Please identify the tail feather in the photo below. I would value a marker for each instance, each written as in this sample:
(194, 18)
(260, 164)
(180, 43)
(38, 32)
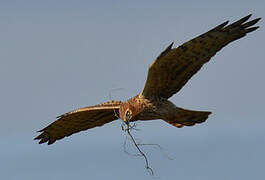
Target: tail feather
(186, 117)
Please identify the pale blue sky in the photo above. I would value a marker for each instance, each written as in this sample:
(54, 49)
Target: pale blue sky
(60, 55)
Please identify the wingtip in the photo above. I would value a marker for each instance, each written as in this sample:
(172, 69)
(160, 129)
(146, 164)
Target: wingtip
(38, 137)
(250, 23)
(166, 50)
(247, 17)
(43, 141)
(223, 24)
(256, 20)
(248, 30)
(220, 26)
(170, 46)
(57, 117)
(226, 22)
(50, 142)
(242, 20)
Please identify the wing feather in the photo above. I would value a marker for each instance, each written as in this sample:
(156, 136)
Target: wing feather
(79, 120)
(174, 67)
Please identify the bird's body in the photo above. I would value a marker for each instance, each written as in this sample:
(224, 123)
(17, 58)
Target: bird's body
(166, 76)
(142, 108)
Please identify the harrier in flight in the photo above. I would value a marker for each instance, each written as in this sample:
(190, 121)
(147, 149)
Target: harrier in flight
(170, 71)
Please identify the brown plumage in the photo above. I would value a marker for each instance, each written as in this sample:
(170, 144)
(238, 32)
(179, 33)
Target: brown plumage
(166, 76)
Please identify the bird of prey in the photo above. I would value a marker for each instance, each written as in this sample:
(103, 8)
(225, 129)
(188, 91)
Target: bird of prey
(169, 72)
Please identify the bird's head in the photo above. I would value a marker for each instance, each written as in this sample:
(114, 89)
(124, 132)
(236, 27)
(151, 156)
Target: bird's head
(127, 112)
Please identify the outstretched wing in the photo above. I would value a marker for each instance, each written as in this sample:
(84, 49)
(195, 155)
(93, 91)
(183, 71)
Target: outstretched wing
(80, 120)
(174, 67)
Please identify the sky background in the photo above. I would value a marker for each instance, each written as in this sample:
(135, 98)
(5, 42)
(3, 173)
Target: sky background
(56, 56)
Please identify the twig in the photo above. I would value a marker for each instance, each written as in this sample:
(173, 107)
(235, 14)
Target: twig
(159, 147)
(127, 129)
(125, 150)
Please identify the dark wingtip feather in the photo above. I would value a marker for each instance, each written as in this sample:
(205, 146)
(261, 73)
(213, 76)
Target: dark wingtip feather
(60, 116)
(39, 136)
(44, 140)
(166, 50)
(247, 17)
(170, 46)
(36, 138)
(244, 19)
(239, 22)
(51, 142)
(224, 24)
(251, 23)
(251, 29)
(221, 25)
(209, 113)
